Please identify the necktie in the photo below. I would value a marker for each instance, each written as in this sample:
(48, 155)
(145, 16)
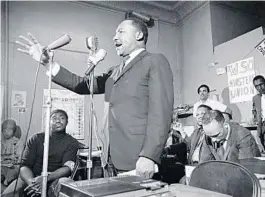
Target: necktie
(123, 62)
(121, 67)
(219, 148)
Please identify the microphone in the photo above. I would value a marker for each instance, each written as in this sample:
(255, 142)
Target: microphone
(94, 60)
(60, 42)
(95, 55)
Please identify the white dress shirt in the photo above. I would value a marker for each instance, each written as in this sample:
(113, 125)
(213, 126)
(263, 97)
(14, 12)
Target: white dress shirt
(263, 106)
(211, 103)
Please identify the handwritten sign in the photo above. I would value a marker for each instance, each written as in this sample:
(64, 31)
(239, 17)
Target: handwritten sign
(240, 75)
(261, 47)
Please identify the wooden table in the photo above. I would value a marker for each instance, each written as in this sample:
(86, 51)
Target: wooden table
(189, 191)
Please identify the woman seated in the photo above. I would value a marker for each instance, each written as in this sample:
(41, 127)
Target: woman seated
(11, 148)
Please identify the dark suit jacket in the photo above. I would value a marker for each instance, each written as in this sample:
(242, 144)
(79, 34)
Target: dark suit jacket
(256, 101)
(192, 143)
(141, 106)
(240, 145)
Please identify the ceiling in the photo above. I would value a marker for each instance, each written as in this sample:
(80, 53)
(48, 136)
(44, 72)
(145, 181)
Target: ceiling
(167, 5)
(250, 7)
(169, 11)
(176, 11)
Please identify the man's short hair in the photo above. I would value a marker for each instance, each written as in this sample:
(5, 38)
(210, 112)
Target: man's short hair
(258, 77)
(203, 86)
(139, 24)
(205, 106)
(59, 111)
(229, 115)
(213, 115)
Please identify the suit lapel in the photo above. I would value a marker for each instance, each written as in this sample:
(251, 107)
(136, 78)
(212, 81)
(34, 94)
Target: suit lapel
(196, 141)
(227, 150)
(133, 62)
(230, 143)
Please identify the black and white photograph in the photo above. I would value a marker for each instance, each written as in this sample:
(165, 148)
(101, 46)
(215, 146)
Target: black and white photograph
(132, 98)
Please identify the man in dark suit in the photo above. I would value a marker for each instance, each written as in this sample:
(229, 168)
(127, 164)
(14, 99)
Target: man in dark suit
(259, 106)
(138, 96)
(192, 143)
(225, 140)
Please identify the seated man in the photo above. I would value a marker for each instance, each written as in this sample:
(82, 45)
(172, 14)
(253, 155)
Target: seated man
(226, 140)
(204, 93)
(11, 148)
(194, 142)
(62, 155)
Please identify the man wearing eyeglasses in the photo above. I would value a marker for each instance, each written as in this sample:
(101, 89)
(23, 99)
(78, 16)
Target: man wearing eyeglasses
(226, 141)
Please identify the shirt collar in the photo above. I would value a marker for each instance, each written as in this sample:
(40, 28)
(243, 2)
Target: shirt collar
(200, 101)
(134, 54)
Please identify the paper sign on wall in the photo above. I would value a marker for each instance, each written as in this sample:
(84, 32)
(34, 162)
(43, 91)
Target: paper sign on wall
(240, 75)
(73, 104)
(19, 99)
(261, 47)
(220, 71)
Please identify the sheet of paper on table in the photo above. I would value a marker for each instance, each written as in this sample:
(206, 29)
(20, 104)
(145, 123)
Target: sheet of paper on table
(260, 158)
(260, 176)
(133, 172)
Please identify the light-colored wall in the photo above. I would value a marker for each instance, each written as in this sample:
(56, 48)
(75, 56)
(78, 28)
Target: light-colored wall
(198, 50)
(49, 20)
(234, 50)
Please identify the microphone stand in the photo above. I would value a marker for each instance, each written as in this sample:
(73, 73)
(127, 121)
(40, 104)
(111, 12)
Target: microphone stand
(48, 106)
(89, 162)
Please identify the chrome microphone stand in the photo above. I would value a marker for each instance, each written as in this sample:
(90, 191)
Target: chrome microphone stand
(89, 162)
(48, 106)
(95, 57)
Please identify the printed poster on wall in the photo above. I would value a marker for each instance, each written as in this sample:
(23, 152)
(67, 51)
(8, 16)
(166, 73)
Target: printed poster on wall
(261, 47)
(19, 99)
(73, 104)
(240, 75)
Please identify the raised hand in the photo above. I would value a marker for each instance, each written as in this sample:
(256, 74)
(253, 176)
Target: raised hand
(33, 48)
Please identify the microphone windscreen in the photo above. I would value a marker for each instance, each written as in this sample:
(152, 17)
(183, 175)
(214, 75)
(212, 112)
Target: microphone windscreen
(64, 40)
(101, 54)
(92, 43)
